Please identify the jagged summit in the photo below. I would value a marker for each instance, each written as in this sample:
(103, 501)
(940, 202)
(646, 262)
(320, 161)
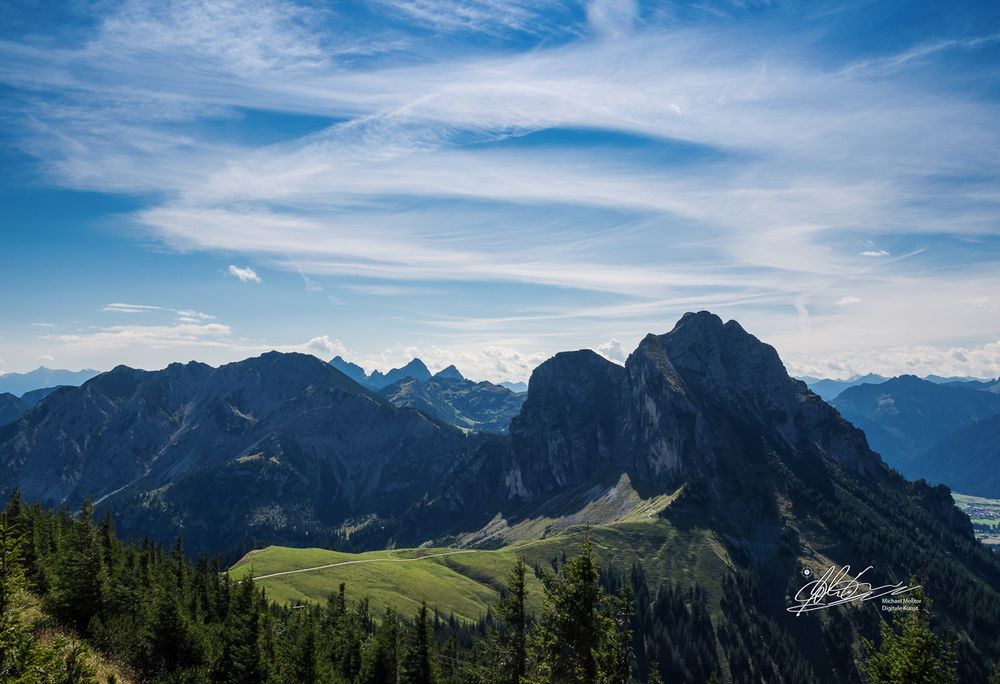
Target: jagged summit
(450, 373)
(351, 370)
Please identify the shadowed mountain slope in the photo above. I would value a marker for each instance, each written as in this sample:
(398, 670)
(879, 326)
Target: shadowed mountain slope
(906, 416)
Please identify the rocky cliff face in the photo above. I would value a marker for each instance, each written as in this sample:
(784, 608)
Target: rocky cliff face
(694, 402)
(567, 430)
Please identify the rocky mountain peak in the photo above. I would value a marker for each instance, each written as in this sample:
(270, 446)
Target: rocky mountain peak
(416, 369)
(351, 370)
(449, 373)
(704, 356)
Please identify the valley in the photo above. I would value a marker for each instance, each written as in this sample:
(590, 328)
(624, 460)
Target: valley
(985, 516)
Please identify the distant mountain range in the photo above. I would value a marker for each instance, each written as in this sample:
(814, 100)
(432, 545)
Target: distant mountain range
(830, 389)
(925, 429)
(377, 380)
(19, 383)
(967, 460)
(446, 395)
(743, 471)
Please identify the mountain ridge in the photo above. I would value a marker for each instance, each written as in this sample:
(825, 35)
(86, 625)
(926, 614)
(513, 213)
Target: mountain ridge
(702, 431)
(42, 377)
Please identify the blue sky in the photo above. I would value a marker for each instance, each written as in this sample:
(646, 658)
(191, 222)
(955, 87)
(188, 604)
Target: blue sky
(486, 183)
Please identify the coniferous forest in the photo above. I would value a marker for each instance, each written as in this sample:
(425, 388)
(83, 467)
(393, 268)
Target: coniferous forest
(79, 605)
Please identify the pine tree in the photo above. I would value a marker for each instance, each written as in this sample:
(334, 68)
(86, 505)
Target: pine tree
(911, 653)
(11, 572)
(77, 589)
(416, 667)
(615, 652)
(173, 642)
(240, 661)
(568, 636)
(380, 658)
(300, 653)
(507, 644)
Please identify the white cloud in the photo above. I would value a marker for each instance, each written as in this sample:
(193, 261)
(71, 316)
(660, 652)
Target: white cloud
(149, 336)
(44, 325)
(612, 18)
(847, 301)
(323, 347)
(131, 308)
(191, 316)
(494, 17)
(495, 363)
(790, 164)
(46, 358)
(245, 275)
(612, 350)
(981, 361)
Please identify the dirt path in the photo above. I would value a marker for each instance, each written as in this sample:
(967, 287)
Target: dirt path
(388, 559)
(368, 560)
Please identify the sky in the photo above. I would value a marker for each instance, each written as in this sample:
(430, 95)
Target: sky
(488, 182)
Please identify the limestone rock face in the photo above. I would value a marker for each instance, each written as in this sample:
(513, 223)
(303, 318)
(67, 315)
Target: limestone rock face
(567, 430)
(694, 402)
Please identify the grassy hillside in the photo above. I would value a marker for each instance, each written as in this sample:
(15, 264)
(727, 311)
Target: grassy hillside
(466, 581)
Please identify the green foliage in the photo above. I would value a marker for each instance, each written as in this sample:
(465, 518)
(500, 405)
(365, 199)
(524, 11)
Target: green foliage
(22, 659)
(910, 653)
(78, 573)
(416, 666)
(583, 635)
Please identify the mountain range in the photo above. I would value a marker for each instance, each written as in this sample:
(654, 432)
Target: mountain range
(701, 438)
(830, 389)
(915, 424)
(446, 395)
(19, 383)
(968, 460)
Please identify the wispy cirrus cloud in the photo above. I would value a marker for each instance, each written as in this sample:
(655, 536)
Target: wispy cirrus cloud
(119, 307)
(661, 165)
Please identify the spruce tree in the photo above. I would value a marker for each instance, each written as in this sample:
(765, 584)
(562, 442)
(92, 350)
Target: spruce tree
(567, 637)
(615, 651)
(416, 667)
(910, 652)
(508, 647)
(240, 660)
(77, 589)
(380, 658)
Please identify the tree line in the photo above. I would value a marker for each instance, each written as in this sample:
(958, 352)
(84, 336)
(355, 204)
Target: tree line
(159, 617)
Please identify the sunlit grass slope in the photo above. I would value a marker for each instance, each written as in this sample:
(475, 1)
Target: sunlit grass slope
(466, 581)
